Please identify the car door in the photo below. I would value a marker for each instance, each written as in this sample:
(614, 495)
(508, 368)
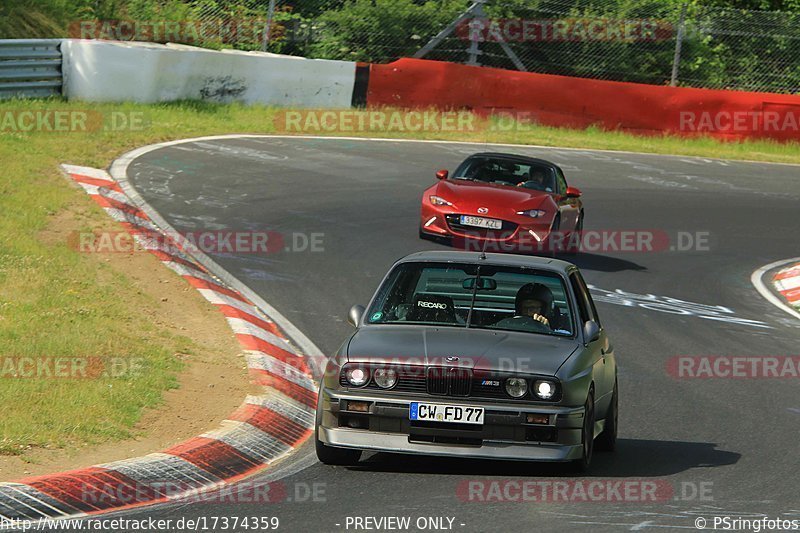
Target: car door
(601, 353)
(568, 207)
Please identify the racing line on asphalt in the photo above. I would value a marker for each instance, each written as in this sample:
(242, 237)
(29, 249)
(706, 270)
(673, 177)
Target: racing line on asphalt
(363, 198)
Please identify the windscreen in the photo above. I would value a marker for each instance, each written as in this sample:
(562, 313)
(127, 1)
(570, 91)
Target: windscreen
(475, 296)
(507, 172)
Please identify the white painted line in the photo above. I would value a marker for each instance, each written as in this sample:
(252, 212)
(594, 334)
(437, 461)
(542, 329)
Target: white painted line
(758, 283)
(119, 171)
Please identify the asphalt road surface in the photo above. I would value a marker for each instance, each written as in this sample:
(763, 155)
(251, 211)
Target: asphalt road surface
(714, 447)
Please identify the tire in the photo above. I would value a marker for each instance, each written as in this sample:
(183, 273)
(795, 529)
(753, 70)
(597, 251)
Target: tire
(574, 245)
(580, 466)
(327, 454)
(335, 456)
(607, 440)
(552, 251)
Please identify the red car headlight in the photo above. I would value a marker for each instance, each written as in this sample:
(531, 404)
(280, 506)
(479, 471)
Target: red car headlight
(438, 200)
(533, 213)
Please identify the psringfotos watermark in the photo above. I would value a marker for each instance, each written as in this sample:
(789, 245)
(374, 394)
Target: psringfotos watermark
(739, 121)
(593, 490)
(577, 29)
(734, 367)
(71, 121)
(740, 523)
(209, 242)
(74, 367)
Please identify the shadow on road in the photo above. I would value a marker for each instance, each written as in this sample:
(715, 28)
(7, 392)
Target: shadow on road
(633, 458)
(602, 263)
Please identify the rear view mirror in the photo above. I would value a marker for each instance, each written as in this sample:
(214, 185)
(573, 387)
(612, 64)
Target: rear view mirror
(355, 314)
(442, 174)
(573, 192)
(591, 331)
(486, 284)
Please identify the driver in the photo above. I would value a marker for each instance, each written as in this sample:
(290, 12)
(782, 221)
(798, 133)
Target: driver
(534, 305)
(534, 179)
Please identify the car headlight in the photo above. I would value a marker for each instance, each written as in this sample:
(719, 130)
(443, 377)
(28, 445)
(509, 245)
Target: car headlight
(356, 376)
(385, 378)
(438, 200)
(516, 387)
(544, 389)
(533, 213)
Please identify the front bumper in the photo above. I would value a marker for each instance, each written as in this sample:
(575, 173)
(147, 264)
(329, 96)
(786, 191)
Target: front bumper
(504, 434)
(527, 236)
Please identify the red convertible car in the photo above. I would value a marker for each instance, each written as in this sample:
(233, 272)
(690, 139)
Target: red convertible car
(503, 202)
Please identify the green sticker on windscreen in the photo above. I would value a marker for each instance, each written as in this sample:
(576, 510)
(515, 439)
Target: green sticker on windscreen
(376, 316)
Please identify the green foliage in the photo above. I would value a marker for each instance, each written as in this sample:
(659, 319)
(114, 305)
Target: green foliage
(724, 46)
(366, 30)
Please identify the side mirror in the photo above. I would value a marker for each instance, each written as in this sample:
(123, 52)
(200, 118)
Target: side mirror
(442, 174)
(573, 192)
(591, 331)
(355, 314)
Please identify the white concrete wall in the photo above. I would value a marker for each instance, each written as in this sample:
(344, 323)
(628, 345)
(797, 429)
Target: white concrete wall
(103, 71)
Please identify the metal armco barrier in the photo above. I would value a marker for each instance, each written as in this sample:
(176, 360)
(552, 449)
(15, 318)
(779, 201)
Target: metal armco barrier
(30, 68)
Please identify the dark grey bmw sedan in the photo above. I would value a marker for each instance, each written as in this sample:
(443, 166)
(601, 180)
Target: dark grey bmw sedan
(468, 354)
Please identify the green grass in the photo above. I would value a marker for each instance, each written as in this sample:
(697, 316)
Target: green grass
(57, 302)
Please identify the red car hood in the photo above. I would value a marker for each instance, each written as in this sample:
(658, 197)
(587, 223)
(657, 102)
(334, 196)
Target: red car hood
(468, 196)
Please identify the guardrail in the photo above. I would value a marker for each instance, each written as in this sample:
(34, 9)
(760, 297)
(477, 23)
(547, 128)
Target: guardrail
(30, 68)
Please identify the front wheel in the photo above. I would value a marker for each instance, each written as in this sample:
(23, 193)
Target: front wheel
(327, 454)
(574, 243)
(335, 456)
(607, 440)
(581, 465)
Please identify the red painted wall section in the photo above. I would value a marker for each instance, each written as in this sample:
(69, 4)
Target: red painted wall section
(578, 102)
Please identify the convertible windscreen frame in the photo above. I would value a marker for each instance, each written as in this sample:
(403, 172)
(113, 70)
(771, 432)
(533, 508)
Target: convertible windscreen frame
(401, 286)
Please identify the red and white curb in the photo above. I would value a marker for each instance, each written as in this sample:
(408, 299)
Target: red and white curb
(264, 429)
(787, 282)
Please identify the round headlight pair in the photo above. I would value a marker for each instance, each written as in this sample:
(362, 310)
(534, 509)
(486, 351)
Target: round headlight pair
(516, 387)
(542, 388)
(357, 376)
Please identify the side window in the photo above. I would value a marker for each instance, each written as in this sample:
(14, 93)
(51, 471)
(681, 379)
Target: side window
(562, 182)
(583, 305)
(588, 296)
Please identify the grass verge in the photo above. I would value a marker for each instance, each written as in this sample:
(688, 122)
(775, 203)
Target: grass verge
(55, 302)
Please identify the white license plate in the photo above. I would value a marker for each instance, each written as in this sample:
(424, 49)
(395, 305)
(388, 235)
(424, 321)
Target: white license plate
(437, 412)
(480, 222)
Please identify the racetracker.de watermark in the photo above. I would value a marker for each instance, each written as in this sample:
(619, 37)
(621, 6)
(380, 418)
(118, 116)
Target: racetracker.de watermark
(565, 30)
(733, 367)
(786, 121)
(53, 367)
(71, 121)
(162, 31)
(616, 490)
(312, 121)
(589, 241)
(245, 492)
(213, 242)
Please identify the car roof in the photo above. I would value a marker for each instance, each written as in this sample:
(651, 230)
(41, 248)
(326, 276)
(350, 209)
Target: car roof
(515, 157)
(514, 260)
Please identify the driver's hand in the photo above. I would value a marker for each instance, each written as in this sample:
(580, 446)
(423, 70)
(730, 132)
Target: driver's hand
(541, 318)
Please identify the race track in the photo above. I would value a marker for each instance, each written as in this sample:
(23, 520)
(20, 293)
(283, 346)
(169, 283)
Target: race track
(735, 438)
